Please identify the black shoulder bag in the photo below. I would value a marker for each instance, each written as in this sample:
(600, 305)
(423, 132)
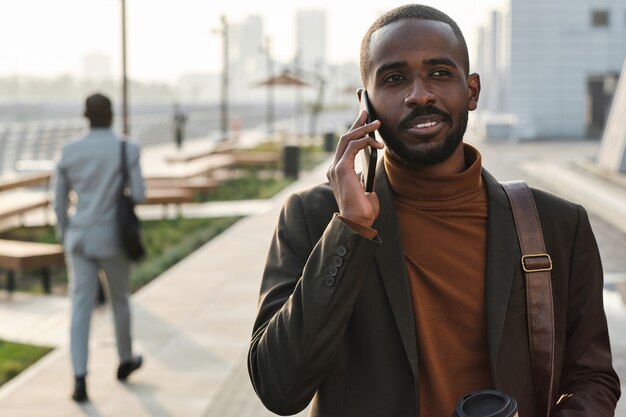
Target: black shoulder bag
(128, 223)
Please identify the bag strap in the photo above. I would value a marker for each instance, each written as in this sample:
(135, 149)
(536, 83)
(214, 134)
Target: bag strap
(123, 166)
(537, 265)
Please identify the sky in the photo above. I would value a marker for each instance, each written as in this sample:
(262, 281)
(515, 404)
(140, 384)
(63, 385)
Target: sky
(169, 38)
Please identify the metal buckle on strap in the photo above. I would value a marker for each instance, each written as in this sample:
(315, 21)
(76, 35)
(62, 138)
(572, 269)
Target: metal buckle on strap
(536, 264)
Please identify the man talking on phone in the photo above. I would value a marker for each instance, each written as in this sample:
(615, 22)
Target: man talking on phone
(399, 301)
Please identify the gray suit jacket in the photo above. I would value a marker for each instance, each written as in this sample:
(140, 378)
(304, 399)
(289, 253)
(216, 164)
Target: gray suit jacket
(335, 323)
(90, 167)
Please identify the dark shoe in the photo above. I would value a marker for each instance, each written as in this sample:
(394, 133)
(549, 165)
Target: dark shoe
(80, 390)
(128, 367)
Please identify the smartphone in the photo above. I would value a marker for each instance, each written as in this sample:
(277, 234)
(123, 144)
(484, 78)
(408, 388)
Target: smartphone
(369, 155)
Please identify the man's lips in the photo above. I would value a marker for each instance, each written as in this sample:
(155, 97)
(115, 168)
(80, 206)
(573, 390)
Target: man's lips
(425, 125)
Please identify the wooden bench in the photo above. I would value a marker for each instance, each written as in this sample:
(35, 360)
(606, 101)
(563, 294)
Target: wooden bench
(25, 181)
(166, 197)
(256, 159)
(194, 184)
(20, 208)
(192, 169)
(217, 148)
(17, 257)
(18, 204)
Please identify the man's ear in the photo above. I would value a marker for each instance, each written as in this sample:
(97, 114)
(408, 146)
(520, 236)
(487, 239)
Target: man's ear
(473, 85)
(359, 92)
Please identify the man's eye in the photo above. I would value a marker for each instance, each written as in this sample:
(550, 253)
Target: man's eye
(441, 73)
(394, 78)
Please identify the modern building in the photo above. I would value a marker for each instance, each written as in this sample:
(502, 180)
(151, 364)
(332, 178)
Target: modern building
(311, 40)
(549, 68)
(246, 59)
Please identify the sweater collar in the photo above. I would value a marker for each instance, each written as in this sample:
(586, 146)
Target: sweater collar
(441, 190)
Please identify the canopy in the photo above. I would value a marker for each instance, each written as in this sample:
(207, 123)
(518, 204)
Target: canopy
(286, 78)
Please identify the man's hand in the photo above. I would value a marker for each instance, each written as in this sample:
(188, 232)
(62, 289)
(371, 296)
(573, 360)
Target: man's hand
(354, 203)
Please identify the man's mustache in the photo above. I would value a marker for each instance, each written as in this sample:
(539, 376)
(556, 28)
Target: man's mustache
(423, 111)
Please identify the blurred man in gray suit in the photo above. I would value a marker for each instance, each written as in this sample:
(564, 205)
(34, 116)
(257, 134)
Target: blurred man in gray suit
(90, 167)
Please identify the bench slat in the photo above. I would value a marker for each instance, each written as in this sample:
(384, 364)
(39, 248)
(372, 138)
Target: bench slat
(22, 256)
(25, 181)
(220, 147)
(191, 184)
(191, 169)
(12, 210)
(256, 158)
(167, 196)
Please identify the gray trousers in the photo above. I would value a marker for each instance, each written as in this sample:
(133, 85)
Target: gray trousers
(83, 272)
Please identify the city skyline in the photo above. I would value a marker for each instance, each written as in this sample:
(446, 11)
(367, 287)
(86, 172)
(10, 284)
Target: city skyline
(168, 39)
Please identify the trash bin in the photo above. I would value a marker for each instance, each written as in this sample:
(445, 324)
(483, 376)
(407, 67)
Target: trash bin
(291, 162)
(330, 142)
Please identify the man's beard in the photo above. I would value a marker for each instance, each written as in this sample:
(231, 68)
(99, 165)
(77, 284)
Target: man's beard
(431, 153)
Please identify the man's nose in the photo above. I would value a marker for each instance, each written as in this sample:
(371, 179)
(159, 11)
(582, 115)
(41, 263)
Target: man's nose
(420, 94)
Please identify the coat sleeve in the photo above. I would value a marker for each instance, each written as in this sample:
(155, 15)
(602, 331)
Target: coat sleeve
(307, 295)
(589, 385)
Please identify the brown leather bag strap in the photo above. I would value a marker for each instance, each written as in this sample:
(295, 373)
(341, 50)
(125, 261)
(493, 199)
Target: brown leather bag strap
(537, 265)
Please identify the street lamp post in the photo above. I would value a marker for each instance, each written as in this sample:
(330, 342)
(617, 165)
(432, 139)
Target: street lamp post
(270, 88)
(224, 100)
(225, 80)
(125, 127)
(298, 98)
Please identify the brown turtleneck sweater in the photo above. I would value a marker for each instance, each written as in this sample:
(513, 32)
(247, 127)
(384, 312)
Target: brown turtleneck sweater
(443, 224)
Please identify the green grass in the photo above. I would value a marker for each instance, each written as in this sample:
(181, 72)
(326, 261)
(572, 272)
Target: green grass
(15, 357)
(246, 187)
(311, 156)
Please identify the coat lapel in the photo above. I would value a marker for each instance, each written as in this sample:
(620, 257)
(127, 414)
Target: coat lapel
(502, 259)
(391, 264)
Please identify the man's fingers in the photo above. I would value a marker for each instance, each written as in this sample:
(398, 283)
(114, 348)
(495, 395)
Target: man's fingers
(344, 162)
(357, 145)
(354, 134)
(361, 131)
(345, 138)
(353, 148)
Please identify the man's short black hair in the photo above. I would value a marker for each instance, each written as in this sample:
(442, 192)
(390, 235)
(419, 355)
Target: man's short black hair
(409, 11)
(98, 110)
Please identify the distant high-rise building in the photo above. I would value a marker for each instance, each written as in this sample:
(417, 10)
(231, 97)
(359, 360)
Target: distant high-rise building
(96, 67)
(246, 59)
(552, 65)
(311, 40)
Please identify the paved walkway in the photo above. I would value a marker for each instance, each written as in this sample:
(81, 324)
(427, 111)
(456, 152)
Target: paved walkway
(193, 323)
